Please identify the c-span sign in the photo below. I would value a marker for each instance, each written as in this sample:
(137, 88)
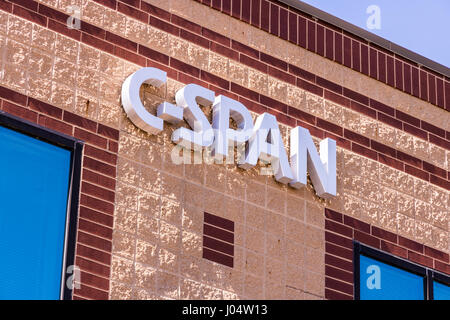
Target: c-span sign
(262, 139)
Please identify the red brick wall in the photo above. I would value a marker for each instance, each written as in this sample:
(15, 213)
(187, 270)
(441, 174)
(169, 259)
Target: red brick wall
(341, 230)
(96, 209)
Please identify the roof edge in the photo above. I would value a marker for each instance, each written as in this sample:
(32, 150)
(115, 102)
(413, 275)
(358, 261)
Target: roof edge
(369, 36)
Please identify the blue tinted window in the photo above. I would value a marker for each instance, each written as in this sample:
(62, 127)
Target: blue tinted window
(441, 291)
(34, 186)
(381, 281)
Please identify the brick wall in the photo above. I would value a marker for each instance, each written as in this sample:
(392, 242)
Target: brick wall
(341, 230)
(98, 172)
(335, 44)
(151, 212)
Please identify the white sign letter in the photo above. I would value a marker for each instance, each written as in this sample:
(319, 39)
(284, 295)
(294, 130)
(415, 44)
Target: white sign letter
(266, 143)
(304, 158)
(132, 102)
(223, 109)
(189, 97)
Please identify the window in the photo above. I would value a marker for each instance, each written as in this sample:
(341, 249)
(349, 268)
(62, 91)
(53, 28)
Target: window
(383, 281)
(380, 276)
(38, 200)
(441, 286)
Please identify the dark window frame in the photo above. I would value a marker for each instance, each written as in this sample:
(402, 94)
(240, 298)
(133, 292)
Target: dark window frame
(76, 147)
(435, 276)
(429, 275)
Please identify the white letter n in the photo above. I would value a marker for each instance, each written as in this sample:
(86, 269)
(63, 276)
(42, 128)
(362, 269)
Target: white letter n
(304, 157)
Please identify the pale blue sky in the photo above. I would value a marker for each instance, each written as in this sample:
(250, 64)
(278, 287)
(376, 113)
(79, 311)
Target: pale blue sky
(422, 26)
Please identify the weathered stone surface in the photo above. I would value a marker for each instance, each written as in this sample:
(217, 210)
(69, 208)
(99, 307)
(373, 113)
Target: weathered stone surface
(145, 277)
(167, 285)
(191, 244)
(405, 204)
(146, 253)
(275, 246)
(123, 245)
(314, 283)
(406, 225)
(254, 239)
(254, 263)
(253, 287)
(122, 270)
(120, 291)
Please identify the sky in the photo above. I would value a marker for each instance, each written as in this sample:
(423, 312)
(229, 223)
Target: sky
(422, 26)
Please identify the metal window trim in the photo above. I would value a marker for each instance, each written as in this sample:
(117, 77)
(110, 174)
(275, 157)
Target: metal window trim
(436, 276)
(361, 249)
(76, 147)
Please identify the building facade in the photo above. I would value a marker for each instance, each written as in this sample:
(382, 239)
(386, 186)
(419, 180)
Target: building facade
(140, 226)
